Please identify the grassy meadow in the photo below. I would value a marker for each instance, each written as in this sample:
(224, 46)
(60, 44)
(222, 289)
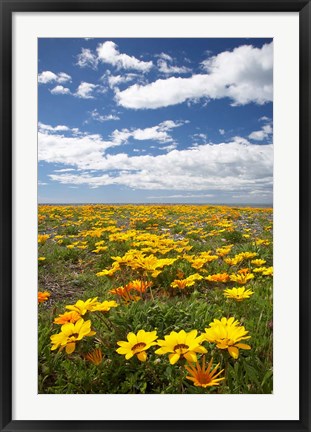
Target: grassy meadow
(142, 299)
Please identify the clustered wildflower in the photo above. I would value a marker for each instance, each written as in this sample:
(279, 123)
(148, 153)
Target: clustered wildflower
(136, 270)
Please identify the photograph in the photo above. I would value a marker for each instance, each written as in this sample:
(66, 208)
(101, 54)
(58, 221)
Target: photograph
(155, 215)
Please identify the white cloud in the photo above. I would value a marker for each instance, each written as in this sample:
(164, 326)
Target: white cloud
(166, 67)
(221, 131)
(40, 183)
(102, 118)
(115, 80)
(87, 151)
(156, 133)
(108, 53)
(59, 128)
(46, 77)
(169, 147)
(244, 75)
(238, 166)
(65, 170)
(262, 134)
(200, 136)
(264, 118)
(181, 196)
(87, 59)
(60, 90)
(165, 56)
(85, 90)
(79, 151)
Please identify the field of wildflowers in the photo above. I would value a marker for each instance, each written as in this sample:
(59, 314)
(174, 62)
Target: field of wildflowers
(155, 299)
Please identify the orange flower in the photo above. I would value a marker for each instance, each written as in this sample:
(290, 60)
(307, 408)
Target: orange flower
(219, 277)
(140, 286)
(43, 296)
(95, 356)
(124, 293)
(67, 317)
(203, 376)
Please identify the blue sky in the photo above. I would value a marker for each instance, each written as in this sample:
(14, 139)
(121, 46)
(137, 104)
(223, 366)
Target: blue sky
(155, 120)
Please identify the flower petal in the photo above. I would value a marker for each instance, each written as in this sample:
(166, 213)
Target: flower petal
(191, 357)
(142, 356)
(173, 358)
(234, 352)
(70, 348)
(243, 346)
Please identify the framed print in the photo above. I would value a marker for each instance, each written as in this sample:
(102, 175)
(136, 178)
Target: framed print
(155, 215)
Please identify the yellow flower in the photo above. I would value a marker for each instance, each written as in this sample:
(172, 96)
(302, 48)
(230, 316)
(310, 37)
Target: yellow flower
(268, 271)
(204, 376)
(111, 272)
(82, 307)
(41, 258)
(241, 278)
(189, 281)
(262, 242)
(137, 344)
(234, 261)
(43, 296)
(238, 294)
(105, 306)
(182, 344)
(227, 334)
(70, 334)
(258, 262)
(265, 271)
(95, 356)
(67, 317)
(100, 249)
(246, 255)
(198, 263)
(223, 250)
(42, 238)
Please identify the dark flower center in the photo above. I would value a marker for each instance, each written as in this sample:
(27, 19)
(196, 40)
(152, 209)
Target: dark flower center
(75, 335)
(203, 378)
(181, 347)
(138, 346)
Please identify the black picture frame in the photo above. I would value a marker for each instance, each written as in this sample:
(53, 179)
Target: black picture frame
(8, 7)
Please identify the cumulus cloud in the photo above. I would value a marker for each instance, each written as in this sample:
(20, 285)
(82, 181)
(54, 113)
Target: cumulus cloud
(237, 166)
(46, 77)
(155, 133)
(87, 59)
(244, 75)
(85, 90)
(87, 151)
(264, 118)
(58, 128)
(103, 118)
(262, 134)
(165, 65)
(108, 53)
(115, 80)
(199, 137)
(60, 90)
